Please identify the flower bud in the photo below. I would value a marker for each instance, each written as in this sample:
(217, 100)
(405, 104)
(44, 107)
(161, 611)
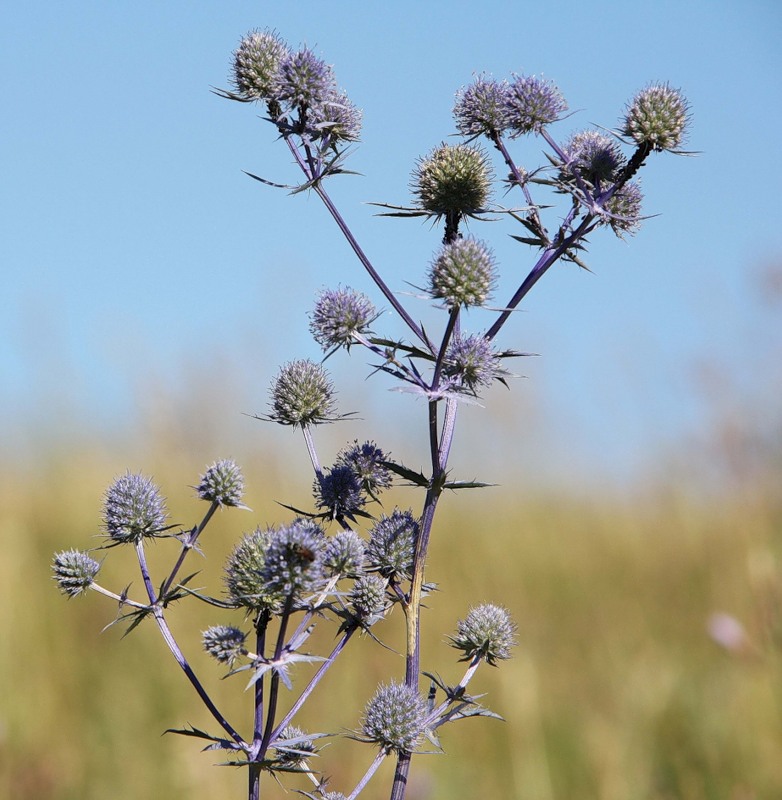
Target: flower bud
(133, 508)
(339, 491)
(488, 632)
(303, 80)
(463, 274)
(74, 571)
(294, 559)
(344, 554)
(594, 156)
(224, 643)
(222, 483)
(472, 362)
(453, 179)
(395, 718)
(368, 598)
(624, 208)
(244, 582)
(482, 107)
(366, 460)
(392, 541)
(302, 394)
(657, 117)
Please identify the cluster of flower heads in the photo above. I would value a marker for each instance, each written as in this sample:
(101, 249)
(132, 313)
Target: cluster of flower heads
(299, 89)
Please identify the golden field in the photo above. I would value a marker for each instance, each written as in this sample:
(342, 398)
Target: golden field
(616, 690)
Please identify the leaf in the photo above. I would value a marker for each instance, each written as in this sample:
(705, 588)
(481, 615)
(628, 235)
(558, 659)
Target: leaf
(416, 478)
(455, 485)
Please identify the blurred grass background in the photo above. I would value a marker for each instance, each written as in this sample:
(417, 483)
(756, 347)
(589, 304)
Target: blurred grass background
(616, 691)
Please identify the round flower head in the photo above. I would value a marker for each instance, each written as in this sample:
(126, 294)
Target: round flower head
(392, 541)
(366, 460)
(294, 559)
(339, 491)
(224, 643)
(344, 554)
(74, 571)
(303, 80)
(595, 156)
(624, 208)
(482, 107)
(133, 508)
(339, 314)
(453, 179)
(472, 362)
(488, 632)
(302, 394)
(532, 104)
(222, 483)
(256, 62)
(395, 718)
(336, 116)
(243, 578)
(294, 747)
(368, 598)
(657, 117)
(463, 274)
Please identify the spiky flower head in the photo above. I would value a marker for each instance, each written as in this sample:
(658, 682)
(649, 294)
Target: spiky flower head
(336, 116)
(482, 107)
(344, 554)
(224, 643)
(367, 461)
(243, 573)
(392, 541)
(453, 179)
(294, 747)
(368, 598)
(74, 571)
(339, 491)
(488, 632)
(395, 718)
(624, 209)
(302, 394)
(294, 559)
(657, 117)
(595, 156)
(133, 508)
(338, 314)
(256, 62)
(471, 362)
(303, 80)
(463, 273)
(222, 483)
(532, 104)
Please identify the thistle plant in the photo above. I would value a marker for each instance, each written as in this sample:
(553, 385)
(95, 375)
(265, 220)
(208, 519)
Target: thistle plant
(348, 560)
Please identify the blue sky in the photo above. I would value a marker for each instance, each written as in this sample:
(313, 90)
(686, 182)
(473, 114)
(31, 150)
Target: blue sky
(132, 243)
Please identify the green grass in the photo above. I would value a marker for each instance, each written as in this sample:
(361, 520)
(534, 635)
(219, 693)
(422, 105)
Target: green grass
(615, 692)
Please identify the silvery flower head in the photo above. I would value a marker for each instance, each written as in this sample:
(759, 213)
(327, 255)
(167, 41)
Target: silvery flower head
(302, 395)
(482, 107)
(337, 117)
(657, 117)
(74, 571)
(338, 314)
(532, 104)
(463, 273)
(224, 643)
(339, 491)
(392, 542)
(471, 362)
(624, 209)
(256, 62)
(222, 483)
(133, 508)
(368, 598)
(243, 573)
(294, 559)
(367, 461)
(344, 554)
(395, 718)
(595, 156)
(303, 80)
(453, 179)
(488, 632)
